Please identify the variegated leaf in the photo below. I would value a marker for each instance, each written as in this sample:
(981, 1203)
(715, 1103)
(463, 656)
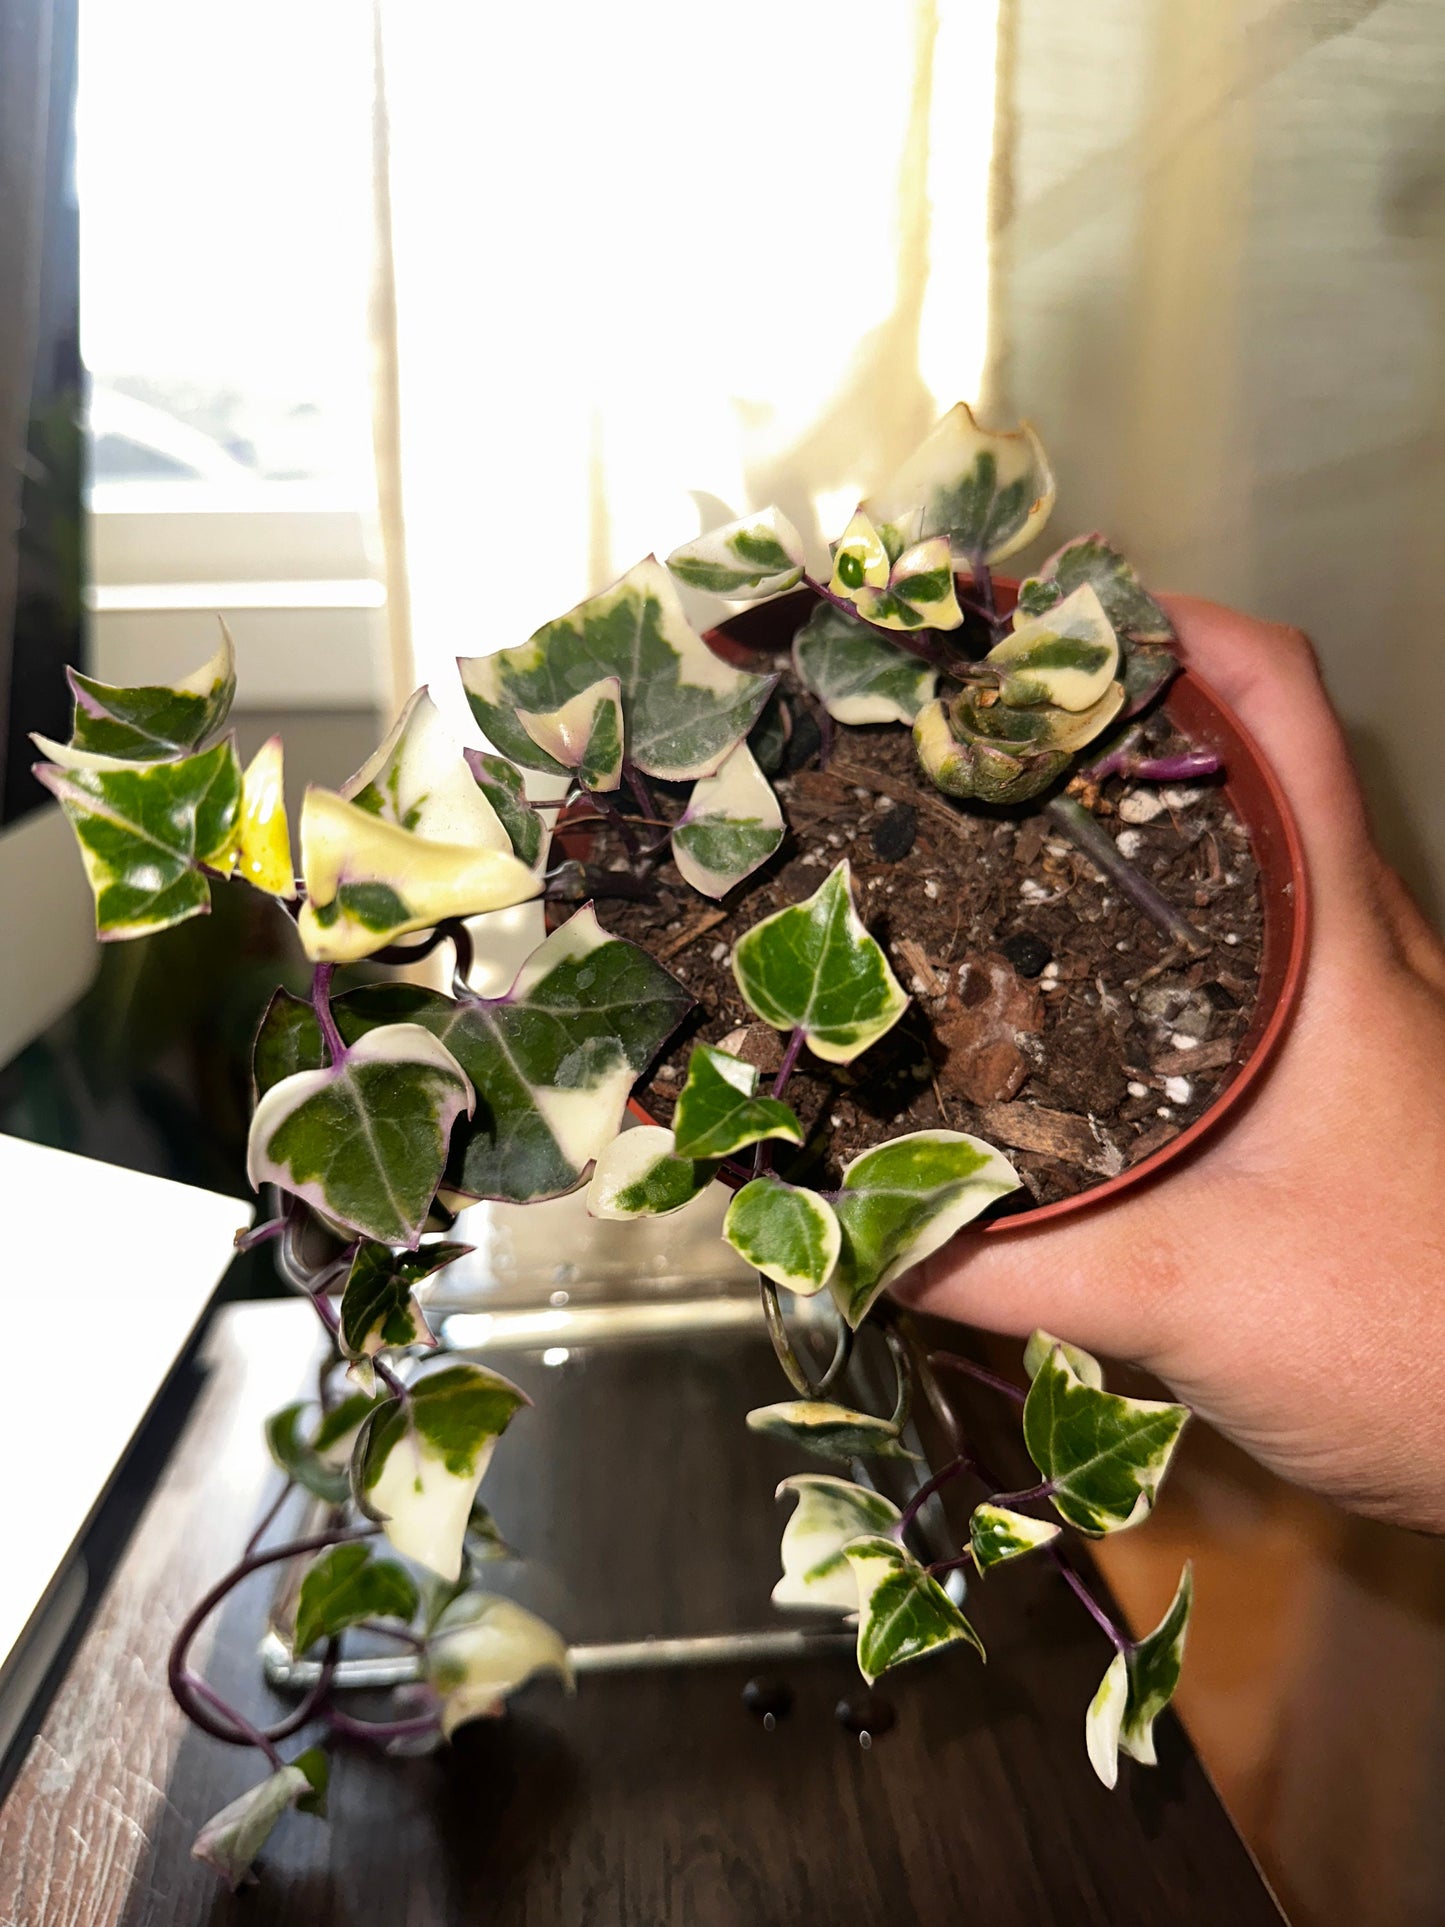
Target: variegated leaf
(790, 1235)
(903, 1613)
(918, 592)
(640, 1175)
(378, 1309)
(346, 1584)
(364, 1140)
(903, 1200)
(1154, 1665)
(830, 1514)
(230, 1841)
(419, 780)
(1104, 1719)
(146, 829)
(756, 556)
(829, 1431)
(505, 789)
(814, 967)
(263, 855)
(733, 822)
(683, 707)
(1067, 657)
(861, 560)
(419, 1461)
(1040, 1347)
(584, 734)
(996, 1534)
(1002, 754)
(155, 723)
(1134, 613)
(857, 675)
(1104, 1455)
(989, 493)
(485, 1647)
(369, 881)
(718, 1111)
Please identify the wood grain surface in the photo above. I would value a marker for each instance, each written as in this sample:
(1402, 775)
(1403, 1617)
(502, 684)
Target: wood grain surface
(650, 1799)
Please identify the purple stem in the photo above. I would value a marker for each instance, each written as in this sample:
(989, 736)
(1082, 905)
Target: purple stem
(790, 1058)
(963, 1463)
(940, 1566)
(1042, 1490)
(259, 1233)
(381, 1730)
(253, 1734)
(952, 1362)
(825, 736)
(1182, 768)
(1100, 848)
(641, 791)
(321, 1004)
(917, 642)
(1091, 1605)
(331, 1319)
(269, 1518)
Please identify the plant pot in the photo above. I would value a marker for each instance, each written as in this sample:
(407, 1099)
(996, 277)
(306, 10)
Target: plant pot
(1261, 806)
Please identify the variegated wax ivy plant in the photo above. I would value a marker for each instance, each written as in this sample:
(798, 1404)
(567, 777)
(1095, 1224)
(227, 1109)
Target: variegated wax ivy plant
(381, 1107)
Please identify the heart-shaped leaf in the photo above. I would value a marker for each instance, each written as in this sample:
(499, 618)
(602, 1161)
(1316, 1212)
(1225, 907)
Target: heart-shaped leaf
(829, 1431)
(378, 1311)
(1104, 1455)
(990, 494)
(364, 1140)
(858, 675)
(230, 1841)
(419, 780)
(369, 881)
(1085, 1366)
(505, 789)
(901, 1201)
(158, 722)
(830, 1514)
(419, 1461)
(1133, 612)
(683, 707)
(914, 591)
(1139, 1684)
(903, 1613)
(814, 967)
(584, 734)
(732, 823)
(146, 829)
(640, 1175)
(756, 556)
(718, 1113)
(263, 855)
(483, 1649)
(788, 1234)
(996, 1534)
(346, 1584)
(1067, 657)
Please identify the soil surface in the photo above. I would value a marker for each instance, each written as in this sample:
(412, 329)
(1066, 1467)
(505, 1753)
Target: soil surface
(1048, 1015)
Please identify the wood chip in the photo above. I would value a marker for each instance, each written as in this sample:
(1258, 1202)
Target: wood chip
(1057, 1134)
(709, 920)
(1207, 1057)
(901, 792)
(917, 961)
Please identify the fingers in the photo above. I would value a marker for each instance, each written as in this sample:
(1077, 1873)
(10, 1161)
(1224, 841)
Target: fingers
(1269, 675)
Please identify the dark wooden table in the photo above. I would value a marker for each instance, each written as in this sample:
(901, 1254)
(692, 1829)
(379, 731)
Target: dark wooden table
(651, 1799)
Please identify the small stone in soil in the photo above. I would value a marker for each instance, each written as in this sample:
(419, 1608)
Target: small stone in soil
(1028, 954)
(896, 832)
(866, 1713)
(771, 1700)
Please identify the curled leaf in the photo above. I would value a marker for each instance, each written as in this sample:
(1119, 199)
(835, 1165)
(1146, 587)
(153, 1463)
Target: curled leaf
(583, 734)
(990, 493)
(1133, 612)
(996, 1534)
(829, 1431)
(505, 789)
(831, 1513)
(378, 1310)
(230, 1841)
(756, 556)
(1040, 1347)
(157, 722)
(485, 1647)
(733, 822)
(263, 857)
(903, 1612)
(1067, 657)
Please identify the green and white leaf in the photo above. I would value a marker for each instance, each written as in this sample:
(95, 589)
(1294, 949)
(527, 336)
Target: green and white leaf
(378, 1309)
(790, 1235)
(584, 734)
(813, 966)
(368, 880)
(364, 1141)
(920, 593)
(159, 721)
(732, 823)
(830, 1514)
(996, 1534)
(1104, 1719)
(263, 845)
(1133, 612)
(1003, 754)
(857, 675)
(640, 1175)
(829, 1431)
(718, 1112)
(756, 556)
(1105, 1455)
(1085, 1366)
(861, 560)
(989, 493)
(901, 1201)
(1140, 1683)
(418, 1463)
(299, 1458)
(1068, 657)
(419, 780)
(505, 789)
(483, 1649)
(346, 1584)
(902, 1612)
(145, 830)
(230, 1841)
(683, 707)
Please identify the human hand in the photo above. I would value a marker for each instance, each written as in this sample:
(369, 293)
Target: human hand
(1288, 1282)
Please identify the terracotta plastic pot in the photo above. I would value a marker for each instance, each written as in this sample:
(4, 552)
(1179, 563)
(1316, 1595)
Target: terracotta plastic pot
(1261, 806)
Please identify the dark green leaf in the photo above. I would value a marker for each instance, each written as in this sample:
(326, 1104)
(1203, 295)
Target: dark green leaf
(505, 789)
(378, 1311)
(718, 1113)
(346, 1584)
(153, 724)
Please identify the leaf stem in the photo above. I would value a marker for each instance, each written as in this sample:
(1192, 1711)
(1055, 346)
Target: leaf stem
(269, 1517)
(259, 1234)
(963, 1463)
(952, 1361)
(1100, 848)
(917, 642)
(1087, 1600)
(642, 791)
(797, 1372)
(253, 1734)
(790, 1059)
(941, 1566)
(321, 1004)
(381, 1731)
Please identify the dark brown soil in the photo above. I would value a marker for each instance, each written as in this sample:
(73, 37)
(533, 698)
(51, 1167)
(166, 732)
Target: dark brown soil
(1048, 1016)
